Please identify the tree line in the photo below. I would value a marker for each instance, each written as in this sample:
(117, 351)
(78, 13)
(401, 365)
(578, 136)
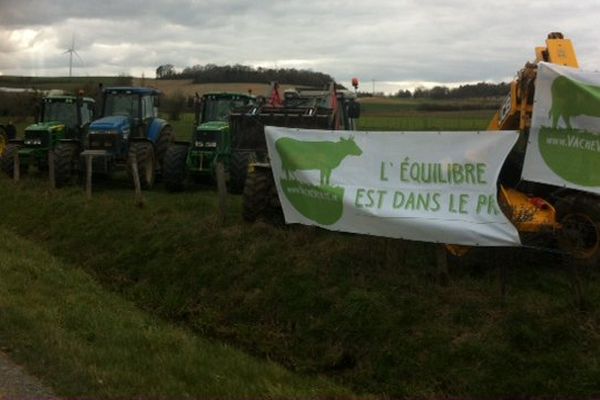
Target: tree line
(211, 73)
(478, 90)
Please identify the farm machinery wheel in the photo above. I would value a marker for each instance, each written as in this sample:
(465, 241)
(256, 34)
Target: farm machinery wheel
(260, 200)
(7, 161)
(238, 170)
(579, 216)
(146, 163)
(175, 167)
(66, 164)
(162, 145)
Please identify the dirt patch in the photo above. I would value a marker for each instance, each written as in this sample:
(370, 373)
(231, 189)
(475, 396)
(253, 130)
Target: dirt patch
(16, 383)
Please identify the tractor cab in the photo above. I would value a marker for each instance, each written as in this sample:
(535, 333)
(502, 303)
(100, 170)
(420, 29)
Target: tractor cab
(127, 110)
(61, 118)
(217, 106)
(212, 132)
(68, 113)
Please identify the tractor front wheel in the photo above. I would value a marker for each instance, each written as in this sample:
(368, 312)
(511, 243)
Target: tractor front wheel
(162, 145)
(579, 216)
(238, 169)
(260, 200)
(175, 167)
(146, 163)
(66, 164)
(8, 159)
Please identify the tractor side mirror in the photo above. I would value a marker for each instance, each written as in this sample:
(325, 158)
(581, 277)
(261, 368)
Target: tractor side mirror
(156, 101)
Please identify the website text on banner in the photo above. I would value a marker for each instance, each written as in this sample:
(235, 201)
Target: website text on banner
(427, 186)
(564, 141)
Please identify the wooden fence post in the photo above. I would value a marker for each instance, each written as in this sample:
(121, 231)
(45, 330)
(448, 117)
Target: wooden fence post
(442, 264)
(51, 169)
(88, 171)
(139, 200)
(17, 167)
(222, 189)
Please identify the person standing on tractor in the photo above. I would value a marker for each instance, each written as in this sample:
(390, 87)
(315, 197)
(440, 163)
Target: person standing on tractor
(275, 100)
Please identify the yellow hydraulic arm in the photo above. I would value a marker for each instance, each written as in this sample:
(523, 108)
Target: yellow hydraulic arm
(516, 109)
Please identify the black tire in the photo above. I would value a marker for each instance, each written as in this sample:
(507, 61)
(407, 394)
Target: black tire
(162, 145)
(146, 163)
(238, 170)
(7, 161)
(260, 199)
(66, 164)
(579, 215)
(175, 167)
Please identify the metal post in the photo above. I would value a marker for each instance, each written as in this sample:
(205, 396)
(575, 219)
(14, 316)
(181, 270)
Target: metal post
(51, 169)
(442, 265)
(139, 200)
(88, 171)
(573, 264)
(222, 191)
(17, 167)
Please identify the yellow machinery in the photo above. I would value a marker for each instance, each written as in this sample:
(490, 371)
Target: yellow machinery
(574, 216)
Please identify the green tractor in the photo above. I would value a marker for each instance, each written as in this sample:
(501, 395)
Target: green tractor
(62, 117)
(211, 140)
(251, 172)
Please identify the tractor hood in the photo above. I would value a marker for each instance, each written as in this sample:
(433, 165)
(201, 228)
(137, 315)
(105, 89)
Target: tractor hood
(212, 126)
(49, 126)
(115, 124)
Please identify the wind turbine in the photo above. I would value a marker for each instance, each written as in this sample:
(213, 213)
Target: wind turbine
(71, 51)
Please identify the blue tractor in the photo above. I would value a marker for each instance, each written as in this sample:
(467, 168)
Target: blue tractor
(129, 125)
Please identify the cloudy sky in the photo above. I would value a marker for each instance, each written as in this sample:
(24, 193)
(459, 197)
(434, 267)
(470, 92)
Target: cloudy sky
(395, 43)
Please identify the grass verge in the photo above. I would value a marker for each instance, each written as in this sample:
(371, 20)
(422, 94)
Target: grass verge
(366, 312)
(84, 341)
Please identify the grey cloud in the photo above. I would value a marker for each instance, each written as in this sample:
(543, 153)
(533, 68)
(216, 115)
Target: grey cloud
(403, 40)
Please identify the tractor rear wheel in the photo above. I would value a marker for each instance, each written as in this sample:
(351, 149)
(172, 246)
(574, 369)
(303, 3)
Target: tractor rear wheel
(162, 144)
(66, 164)
(175, 167)
(260, 200)
(8, 159)
(238, 169)
(579, 216)
(146, 163)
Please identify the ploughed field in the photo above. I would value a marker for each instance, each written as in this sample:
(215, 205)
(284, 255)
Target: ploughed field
(368, 313)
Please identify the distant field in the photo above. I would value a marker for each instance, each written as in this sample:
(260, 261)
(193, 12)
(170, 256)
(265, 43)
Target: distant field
(168, 87)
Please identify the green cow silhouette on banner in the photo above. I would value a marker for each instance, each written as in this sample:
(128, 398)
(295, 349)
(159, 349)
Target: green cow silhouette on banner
(571, 98)
(324, 203)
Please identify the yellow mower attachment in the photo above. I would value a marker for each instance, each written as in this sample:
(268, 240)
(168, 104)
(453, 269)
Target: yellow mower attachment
(528, 214)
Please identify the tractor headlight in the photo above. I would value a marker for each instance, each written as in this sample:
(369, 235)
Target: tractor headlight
(210, 144)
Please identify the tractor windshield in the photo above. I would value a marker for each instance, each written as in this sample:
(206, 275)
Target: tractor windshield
(218, 109)
(65, 112)
(121, 104)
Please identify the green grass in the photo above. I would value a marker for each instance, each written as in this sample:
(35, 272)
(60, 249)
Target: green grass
(84, 341)
(366, 312)
(408, 115)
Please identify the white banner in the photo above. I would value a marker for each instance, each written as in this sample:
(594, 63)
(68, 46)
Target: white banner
(426, 186)
(564, 139)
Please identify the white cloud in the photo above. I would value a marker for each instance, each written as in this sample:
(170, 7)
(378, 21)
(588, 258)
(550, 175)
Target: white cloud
(404, 41)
